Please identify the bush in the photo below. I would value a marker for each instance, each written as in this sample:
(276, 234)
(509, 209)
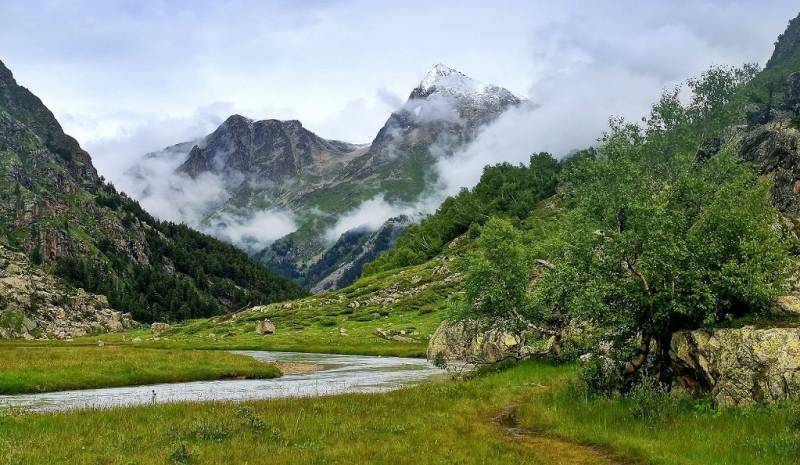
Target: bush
(651, 401)
(600, 376)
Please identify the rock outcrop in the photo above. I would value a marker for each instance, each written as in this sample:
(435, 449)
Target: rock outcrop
(774, 148)
(477, 342)
(739, 366)
(35, 305)
(265, 327)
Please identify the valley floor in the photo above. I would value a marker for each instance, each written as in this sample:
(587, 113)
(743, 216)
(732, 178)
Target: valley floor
(509, 417)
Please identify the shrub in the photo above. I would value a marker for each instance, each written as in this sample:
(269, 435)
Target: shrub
(651, 401)
(601, 377)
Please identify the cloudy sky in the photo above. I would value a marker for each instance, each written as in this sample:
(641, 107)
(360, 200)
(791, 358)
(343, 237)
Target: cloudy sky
(126, 77)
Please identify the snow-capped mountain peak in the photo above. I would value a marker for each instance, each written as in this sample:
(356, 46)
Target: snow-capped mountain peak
(442, 79)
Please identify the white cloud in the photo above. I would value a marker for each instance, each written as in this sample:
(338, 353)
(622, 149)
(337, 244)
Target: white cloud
(253, 230)
(127, 79)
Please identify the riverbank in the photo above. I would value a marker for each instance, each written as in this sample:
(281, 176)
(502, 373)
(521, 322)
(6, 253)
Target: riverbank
(28, 369)
(434, 423)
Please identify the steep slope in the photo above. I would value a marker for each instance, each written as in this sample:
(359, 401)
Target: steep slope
(57, 210)
(771, 139)
(34, 304)
(341, 264)
(276, 165)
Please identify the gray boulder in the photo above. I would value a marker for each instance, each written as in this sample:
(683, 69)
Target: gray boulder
(265, 327)
(159, 328)
(739, 366)
(477, 342)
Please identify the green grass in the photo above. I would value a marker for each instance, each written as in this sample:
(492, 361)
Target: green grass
(435, 423)
(43, 369)
(672, 430)
(312, 324)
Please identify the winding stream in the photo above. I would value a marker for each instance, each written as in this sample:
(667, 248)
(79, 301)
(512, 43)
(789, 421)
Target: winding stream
(341, 374)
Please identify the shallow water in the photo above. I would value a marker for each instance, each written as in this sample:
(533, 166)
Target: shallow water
(342, 373)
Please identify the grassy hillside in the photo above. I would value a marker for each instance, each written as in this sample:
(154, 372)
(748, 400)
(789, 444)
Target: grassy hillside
(407, 304)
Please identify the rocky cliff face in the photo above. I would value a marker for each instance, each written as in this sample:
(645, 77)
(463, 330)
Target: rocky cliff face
(739, 366)
(35, 305)
(341, 264)
(266, 152)
(280, 165)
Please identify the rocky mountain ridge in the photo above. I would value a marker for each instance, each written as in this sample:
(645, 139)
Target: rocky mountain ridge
(273, 165)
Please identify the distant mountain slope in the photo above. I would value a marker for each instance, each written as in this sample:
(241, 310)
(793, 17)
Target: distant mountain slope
(57, 210)
(276, 165)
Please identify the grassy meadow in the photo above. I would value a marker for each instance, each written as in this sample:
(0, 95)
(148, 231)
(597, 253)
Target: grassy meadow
(43, 368)
(435, 423)
(411, 300)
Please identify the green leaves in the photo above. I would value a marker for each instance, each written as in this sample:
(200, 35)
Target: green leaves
(659, 239)
(496, 272)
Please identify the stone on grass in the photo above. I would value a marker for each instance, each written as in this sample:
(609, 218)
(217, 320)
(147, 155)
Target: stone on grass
(265, 327)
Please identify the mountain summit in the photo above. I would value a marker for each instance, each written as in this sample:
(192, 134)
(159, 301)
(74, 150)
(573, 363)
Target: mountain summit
(273, 165)
(267, 151)
(448, 81)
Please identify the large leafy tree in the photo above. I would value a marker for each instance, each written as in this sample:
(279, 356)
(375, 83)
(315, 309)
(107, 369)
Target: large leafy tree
(659, 238)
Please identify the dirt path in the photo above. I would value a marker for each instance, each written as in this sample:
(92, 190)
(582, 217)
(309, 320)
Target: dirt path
(548, 449)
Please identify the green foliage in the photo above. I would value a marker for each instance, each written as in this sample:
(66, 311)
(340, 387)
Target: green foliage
(180, 455)
(652, 402)
(189, 274)
(496, 272)
(599, 376)
(504, 190)
(659, 239)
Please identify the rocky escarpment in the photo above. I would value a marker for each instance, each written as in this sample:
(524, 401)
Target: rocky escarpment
(739, 366)
(774, 147)
(34, 305)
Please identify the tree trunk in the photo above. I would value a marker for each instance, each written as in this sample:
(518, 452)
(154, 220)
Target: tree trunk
(636, 363)
(664, 363)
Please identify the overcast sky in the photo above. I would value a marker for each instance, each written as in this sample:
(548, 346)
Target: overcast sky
(125, 77)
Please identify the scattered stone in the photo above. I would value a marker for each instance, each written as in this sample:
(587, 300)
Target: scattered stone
(392, 335)
(265, 327)
(159, 328)
(137, 340)
(342, 332)
(101, 344)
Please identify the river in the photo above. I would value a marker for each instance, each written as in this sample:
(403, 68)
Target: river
(340, 374)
